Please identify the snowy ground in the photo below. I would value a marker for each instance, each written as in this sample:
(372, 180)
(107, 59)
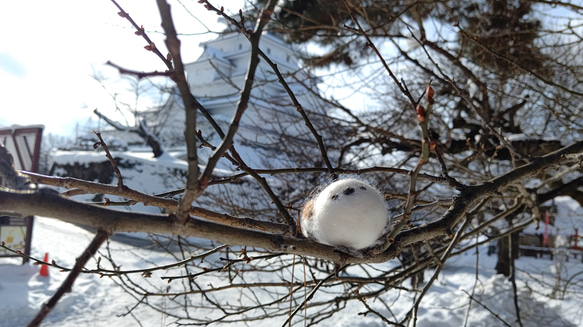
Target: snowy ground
(98, 302)
(93, 302)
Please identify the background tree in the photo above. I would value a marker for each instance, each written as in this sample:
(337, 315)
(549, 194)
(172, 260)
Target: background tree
(498, 69)
(143, 106)
(494, 137)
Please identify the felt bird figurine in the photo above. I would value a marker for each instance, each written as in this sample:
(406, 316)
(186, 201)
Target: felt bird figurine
(348, 213)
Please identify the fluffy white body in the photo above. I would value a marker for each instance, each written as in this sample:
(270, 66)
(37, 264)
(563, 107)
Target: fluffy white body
(347, 213)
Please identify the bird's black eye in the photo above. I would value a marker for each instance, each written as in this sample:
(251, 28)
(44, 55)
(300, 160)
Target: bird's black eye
(348, 191)
(363, 188)
(335, 197)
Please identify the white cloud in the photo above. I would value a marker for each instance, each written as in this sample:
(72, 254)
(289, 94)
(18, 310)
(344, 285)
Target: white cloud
(50, 49)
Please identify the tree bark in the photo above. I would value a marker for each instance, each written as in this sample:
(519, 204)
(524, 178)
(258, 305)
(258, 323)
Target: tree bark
(507, 253)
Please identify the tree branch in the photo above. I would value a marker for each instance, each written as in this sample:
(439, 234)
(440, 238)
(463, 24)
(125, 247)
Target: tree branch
(193, 188)
(141, 32)
(67, 285)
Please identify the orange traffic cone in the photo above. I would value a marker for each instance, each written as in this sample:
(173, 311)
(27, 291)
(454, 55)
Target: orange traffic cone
(44, 269)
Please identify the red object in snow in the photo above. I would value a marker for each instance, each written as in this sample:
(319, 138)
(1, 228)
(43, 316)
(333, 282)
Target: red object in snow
(44, 269)
(546, 233)
(576, 240)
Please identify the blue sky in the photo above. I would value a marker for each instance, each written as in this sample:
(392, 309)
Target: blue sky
(50, 49)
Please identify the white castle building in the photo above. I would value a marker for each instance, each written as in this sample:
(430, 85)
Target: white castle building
(216, 79)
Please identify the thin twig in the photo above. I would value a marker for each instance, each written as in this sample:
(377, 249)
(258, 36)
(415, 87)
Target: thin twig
(488, 309)
(476, 280)
(513, 281)
(116, 272)
(311, 295)
(338, 171)
(84, 187)
(423, 116)
(141, 32)
(379, 55)
(517, 64)
(137, 74)
(111, 160)
(446, 254)
(376, 313)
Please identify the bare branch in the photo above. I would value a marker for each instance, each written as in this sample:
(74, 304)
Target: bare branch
(137, 74)
(371, 44)
(140, 31)
(67, 285)
(102, 144)
(191, 105)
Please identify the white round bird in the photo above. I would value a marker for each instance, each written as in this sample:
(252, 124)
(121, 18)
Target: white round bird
(348, 213)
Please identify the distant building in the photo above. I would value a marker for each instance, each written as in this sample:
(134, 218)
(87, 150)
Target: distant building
(216, 79)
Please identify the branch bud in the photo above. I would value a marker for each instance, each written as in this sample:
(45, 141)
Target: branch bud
(420, 113)
(429, 94)
(140, 31)
(432, 145)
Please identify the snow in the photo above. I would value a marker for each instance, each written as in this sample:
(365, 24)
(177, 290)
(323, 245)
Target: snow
(72, 157)
(23, 290)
